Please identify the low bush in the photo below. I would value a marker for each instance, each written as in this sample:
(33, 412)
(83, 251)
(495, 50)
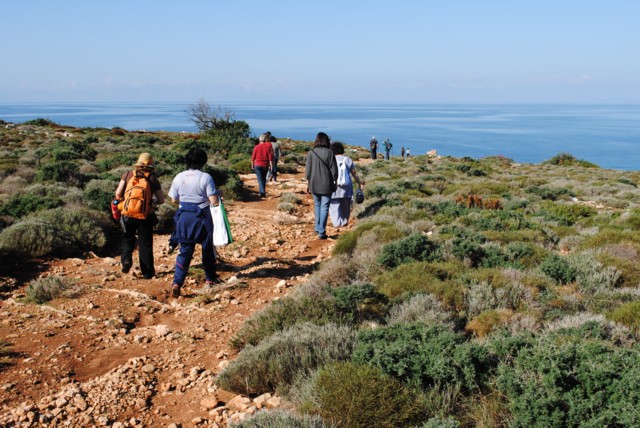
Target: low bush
(279, 359)
(61, 172)
(280, 419)
(558, 268)
(423, 308)
(22, 204)
(60, 231)
(99, 194)
(552, 194)
(413, 248)
(572, 382)
(352, 395)
(359, 302)
(627, 314)
(46, 289)
(424, 356)
(347, 242)
(488, 321)
(350, 304)
(165, 214)
(423, 277)
(566, 214)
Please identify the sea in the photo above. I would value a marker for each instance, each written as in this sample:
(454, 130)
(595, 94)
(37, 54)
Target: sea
(605, 134)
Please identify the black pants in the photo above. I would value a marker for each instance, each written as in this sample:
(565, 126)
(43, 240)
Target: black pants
(144, 230)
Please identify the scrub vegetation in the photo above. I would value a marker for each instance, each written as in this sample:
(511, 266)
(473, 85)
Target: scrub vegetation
(476, 293)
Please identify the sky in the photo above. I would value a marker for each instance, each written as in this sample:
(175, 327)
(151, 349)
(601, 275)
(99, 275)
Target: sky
(297, 51)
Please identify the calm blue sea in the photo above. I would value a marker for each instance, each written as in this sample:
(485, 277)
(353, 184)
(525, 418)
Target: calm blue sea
(608, 135)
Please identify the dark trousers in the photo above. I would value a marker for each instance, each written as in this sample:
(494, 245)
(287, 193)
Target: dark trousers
(261, 174)
(183, 261)
(144, 230)
(374, 153)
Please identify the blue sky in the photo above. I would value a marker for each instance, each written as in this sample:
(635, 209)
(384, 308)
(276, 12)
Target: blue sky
(457, 51)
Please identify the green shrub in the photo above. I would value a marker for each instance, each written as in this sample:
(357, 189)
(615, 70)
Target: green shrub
(40, 122)
(438, 422)
(344, 305)
(627, 314)
(99, 194)
(567, 214)
(317, 307)
(359, 302)
(60, 231)
(347, 242)
(22, 204)
(552, 194)
(423, 308)
(423, 277)
(423, 356)
(413, 248)
(572, 383)
(566, 159)
(242, 167)
(558, 268)
(352, 395)
(46, 289)
(279, 418)
(61, 172)
(165, 214)
(279, 359)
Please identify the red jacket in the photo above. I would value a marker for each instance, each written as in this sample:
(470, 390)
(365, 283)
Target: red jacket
(262, 155)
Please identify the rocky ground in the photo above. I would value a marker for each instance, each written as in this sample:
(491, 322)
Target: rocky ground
(123, 353)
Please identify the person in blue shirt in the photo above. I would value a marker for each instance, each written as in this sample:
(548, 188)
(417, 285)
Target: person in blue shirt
(194, 191)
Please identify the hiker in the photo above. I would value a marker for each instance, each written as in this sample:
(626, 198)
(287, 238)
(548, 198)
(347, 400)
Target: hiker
(408, 153)
(194, 191)
(340, 206)
(275, 145)
(387, 148)
(321, 172)
(135, 191)
(261, 160)
(373, 144)
(402, 151)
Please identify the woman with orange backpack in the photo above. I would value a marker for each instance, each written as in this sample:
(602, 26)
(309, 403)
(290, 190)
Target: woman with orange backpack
(136, 191)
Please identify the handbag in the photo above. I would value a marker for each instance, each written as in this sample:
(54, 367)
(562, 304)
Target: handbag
(221, 229)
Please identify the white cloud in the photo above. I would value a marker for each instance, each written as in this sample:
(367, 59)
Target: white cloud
(585, 78)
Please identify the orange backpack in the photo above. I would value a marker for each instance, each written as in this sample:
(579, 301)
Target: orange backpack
(137, 196)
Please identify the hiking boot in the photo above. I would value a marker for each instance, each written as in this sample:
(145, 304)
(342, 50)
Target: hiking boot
(148, 276)
(212, 283)
(126, 267)
(175, 290)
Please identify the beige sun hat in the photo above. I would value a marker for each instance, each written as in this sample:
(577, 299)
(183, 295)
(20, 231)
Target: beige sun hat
(145, 159)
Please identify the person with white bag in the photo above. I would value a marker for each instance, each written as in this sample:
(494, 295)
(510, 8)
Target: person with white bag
(340, 206)
(195, 192)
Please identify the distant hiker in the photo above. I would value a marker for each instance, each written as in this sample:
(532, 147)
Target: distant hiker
(275, 145)
(373, 144)
(387, 148)
(408, 153)
(340, 207)
(402, 152)
(194, 191)
(261, 160)
(321, 172)
(135, 191)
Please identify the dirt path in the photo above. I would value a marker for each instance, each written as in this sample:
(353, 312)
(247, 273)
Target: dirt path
(124, 352)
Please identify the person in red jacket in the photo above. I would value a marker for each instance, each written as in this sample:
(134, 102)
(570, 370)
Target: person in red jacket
(261, 160)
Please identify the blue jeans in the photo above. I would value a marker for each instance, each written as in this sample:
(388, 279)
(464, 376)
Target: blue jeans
(261, 173)
(321, 210)
(274, 169)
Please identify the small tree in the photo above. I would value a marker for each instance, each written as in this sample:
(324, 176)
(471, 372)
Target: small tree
(206, 118)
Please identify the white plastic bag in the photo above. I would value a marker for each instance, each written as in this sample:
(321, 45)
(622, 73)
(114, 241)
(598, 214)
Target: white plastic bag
(221, 229)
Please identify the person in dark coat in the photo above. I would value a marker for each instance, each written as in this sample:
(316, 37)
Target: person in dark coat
(321, 172)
